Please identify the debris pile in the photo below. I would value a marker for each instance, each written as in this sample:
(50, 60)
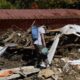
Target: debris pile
(63, 56)
(18, 37)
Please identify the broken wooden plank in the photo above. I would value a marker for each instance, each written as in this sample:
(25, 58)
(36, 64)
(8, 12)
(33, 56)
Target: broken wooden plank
(11, 44)
(54, 30)
(10, 37)
(53, 49)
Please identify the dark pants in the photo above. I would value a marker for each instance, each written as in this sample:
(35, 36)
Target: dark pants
(40, 55)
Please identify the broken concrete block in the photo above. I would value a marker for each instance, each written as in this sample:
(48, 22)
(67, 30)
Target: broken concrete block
(10, 73)
(45, 73)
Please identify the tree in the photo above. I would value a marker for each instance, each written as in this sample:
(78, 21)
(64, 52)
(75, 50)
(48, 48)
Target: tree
(42, 4)
(5, 5)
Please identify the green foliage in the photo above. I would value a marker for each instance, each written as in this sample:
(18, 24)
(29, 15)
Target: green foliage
(77, 5)
(23, 4)
(5, 5)
(58, 4)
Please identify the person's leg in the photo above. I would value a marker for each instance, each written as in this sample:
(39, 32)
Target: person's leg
(38, 54)
(44, 59)
(41, 58)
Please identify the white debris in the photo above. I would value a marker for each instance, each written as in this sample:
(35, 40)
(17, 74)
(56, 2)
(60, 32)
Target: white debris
(53, 49)
(13, 73)
(66, 67)
(67, 29)
(19, 34)
(71, 29)
(2, 50)
(74, 62)
(11, 44)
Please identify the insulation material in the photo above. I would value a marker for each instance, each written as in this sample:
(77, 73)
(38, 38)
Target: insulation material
(71, 29)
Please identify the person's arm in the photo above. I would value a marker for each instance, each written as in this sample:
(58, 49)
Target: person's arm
(43, 40)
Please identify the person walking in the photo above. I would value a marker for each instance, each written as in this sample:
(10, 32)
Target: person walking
(38, 37)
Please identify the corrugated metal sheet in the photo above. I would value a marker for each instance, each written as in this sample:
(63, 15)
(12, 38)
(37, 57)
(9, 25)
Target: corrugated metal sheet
(38, 13)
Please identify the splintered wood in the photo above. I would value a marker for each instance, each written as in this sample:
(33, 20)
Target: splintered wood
(17, 37)
(23, 39)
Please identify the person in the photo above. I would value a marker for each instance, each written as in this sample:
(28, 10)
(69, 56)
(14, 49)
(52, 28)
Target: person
(40, 46)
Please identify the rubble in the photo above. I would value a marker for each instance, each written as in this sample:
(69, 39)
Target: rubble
(17, 72)
(45, 73)
(67, 29)
(53, 49)
(66, 67)
(21, 38)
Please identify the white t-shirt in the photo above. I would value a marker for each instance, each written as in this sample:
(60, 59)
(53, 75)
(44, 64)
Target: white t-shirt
(41, 30)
